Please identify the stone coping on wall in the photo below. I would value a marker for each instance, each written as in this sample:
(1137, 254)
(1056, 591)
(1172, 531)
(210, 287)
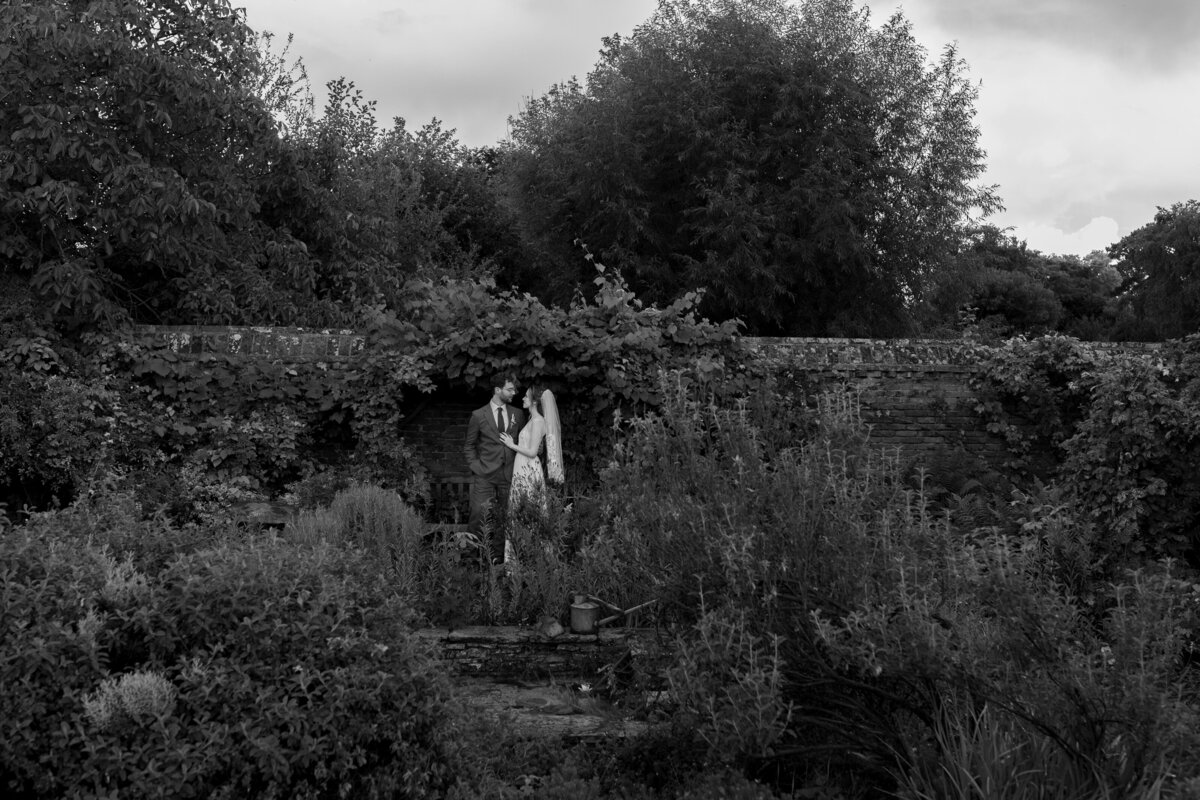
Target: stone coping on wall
(517, 652)
(289, 344)
(834, 354)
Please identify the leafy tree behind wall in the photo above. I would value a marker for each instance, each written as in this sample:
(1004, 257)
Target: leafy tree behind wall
(1006, 288)
(808, 170)
(1160, 270)
(378, 207)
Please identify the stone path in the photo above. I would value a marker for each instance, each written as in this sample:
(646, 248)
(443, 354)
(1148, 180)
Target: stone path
(547, 710)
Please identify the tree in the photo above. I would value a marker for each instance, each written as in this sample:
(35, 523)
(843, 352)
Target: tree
(1085, 288)
(134, 144)
(1159, 264)
(808, 171)
(164, 165)
(376, 208)
(1006, 289)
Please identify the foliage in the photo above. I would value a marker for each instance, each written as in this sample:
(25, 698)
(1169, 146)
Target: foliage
(112, 517)
(129, 184)
(1159, 265)
(156, 415)
(1134, 458)
(1009, 289)
(731, 683)
(820, 560)
(165, 166)
(257, 669)
(54, 430)
(263, 420)
(783, 159)
(375, 208)
(832, 622)
(697, 493)
(1085, 287)
(988, 755)
(1115, 431)
(382, 524)
(543, 572)
(1034, 392)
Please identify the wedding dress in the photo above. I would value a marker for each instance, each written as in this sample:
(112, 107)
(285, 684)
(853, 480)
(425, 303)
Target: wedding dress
(528, 480)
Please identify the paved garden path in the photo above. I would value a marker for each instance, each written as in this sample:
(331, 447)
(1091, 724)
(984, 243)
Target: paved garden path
(547, 709)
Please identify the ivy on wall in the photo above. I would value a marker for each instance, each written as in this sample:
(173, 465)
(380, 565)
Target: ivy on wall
(1114, 433)
(271, 423)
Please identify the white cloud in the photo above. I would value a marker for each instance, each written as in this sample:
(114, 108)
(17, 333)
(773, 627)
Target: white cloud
(470, 63)
(1098, 234)
(1150, 35)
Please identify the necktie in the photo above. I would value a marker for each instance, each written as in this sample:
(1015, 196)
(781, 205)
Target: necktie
(500, 418)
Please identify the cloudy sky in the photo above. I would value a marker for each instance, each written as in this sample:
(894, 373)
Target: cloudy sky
(1088, 108)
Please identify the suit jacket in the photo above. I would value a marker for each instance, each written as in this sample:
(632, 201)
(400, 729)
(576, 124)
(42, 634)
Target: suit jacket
(485, 453)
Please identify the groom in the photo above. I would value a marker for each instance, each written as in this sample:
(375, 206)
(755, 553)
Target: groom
(490, 461)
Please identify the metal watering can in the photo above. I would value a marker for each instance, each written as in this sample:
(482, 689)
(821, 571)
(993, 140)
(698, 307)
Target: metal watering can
(585, 613)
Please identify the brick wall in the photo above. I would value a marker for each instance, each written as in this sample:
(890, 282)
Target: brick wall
(914, 394)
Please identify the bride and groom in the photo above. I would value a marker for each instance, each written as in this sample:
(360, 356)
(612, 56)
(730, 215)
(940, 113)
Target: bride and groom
(507, 471)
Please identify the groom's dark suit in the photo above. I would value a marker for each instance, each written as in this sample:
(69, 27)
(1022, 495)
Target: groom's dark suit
(491, 465)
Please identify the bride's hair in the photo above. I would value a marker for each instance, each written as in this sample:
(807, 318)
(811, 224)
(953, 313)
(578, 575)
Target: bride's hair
(537, 392)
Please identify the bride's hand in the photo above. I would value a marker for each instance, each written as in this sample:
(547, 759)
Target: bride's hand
(506, 439)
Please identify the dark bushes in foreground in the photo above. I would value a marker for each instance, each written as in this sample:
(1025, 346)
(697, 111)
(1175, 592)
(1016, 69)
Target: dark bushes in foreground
(252, 669)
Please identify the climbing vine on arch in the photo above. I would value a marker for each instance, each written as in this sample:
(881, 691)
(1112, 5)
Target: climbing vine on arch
(604, 354)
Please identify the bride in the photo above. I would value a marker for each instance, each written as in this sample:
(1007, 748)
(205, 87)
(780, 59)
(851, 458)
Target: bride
(528, 480)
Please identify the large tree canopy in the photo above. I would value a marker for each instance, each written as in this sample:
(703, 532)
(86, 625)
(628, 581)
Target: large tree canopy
(1160, 270)
(160, 164)
(132, 145)
(808, 170)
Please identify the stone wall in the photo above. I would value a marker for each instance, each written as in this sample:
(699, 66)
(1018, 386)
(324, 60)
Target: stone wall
(525, 654)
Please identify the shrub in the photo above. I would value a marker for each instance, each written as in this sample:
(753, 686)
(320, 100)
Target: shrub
(311, 527)
(380, 522)
(132, 698)
(1118, 434)
(291, 670)
(1100, 705)
(114, 519)
(703, 499)
(989, 755)
(50, 656)
(319, 489)
(54, 430)
(730, 681)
